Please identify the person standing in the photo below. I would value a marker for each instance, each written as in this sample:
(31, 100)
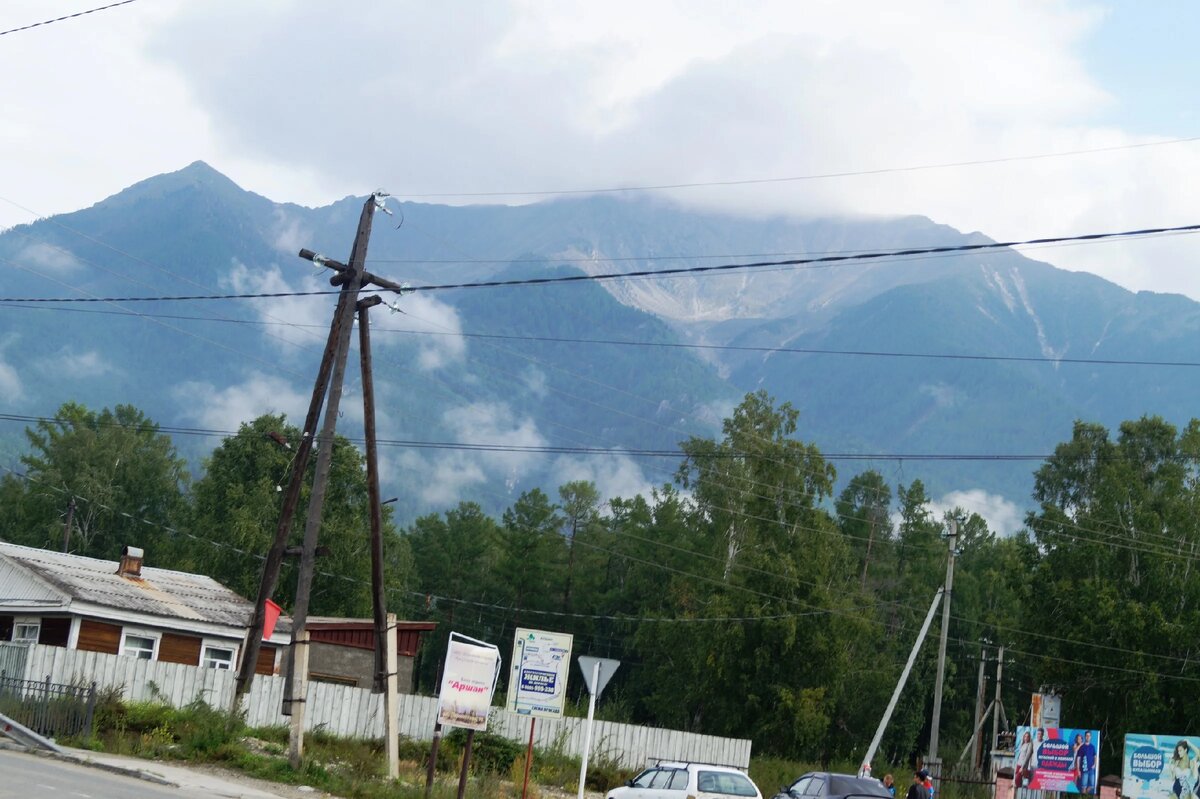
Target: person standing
(917, 789)
(889, 782)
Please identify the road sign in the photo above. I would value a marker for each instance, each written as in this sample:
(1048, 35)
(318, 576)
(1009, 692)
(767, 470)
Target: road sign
(608, 667)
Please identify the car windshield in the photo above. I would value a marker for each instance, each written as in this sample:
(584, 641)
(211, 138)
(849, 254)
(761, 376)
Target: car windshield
(725, 782)
(842, 786)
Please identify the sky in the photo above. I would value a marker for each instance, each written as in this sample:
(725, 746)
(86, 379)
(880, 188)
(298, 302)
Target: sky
(308, 102)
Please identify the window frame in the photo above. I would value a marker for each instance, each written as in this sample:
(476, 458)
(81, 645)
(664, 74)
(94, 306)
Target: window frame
(20, 622)
(219, 665)
(126, 651)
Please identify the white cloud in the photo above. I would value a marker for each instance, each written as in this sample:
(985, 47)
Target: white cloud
(226, 408)
(615, 475)
(10, 382)
(449, 474)
(79, 364)
(535, 380)
(289, 234)
(292, 322)
(534, 95)
(441, 343)
(1003, 517)
(56, 260)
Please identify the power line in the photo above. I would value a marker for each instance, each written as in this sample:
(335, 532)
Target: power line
(798, 178)
(825, 261)
(658, 344)
(68, 16)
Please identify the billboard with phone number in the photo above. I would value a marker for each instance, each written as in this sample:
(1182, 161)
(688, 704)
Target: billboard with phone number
(1057, 759)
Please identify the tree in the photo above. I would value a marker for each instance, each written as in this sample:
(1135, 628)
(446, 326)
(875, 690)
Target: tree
(126, 478)
(235, 509)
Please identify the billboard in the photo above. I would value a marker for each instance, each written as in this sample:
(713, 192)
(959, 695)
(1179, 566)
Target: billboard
(537, 682)
(1160, 766)
(1057, 759)
(468, 681)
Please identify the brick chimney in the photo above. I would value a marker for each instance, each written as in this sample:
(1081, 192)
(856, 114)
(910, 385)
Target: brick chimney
(131, 562)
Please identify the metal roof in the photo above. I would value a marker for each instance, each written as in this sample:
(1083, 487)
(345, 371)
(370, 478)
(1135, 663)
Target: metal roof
(157, 592)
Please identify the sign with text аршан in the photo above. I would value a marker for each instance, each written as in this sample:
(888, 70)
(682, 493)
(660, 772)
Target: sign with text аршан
(468, 682)
(537, 681)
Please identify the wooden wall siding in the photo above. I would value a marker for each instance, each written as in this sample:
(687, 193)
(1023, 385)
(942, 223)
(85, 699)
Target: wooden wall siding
(99, 636)
(356, 712)
(174, 648)
(6, 627)
(56, 631)
(266, 660)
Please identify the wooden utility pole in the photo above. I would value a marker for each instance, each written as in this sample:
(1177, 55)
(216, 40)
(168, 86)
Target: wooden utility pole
(291, 498)
(339, 330)
(295, 697)
(378, 598)
(952, 540)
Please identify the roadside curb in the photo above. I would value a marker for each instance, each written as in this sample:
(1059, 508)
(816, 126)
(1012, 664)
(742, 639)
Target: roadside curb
(79, 760)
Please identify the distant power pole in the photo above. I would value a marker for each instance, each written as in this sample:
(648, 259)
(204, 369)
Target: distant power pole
(980, 701)
(67, 526)
(996, 711)
(952, 539)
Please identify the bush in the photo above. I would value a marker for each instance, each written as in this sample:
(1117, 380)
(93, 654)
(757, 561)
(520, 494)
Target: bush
(490, 754)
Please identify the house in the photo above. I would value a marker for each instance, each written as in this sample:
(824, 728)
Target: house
(124, 608)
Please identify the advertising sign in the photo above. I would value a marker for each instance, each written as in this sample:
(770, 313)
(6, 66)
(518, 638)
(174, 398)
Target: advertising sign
(1159, 766)
(468, 681)
(537, 682)
(1057, 759)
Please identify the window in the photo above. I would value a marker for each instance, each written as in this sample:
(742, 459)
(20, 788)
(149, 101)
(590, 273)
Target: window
(661, 778)
(643, 779)
(25, 632)
(726, 782)
(216, 657)
(679, 780)
(138, 646)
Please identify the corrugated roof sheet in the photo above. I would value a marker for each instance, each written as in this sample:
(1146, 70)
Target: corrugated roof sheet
(158, 592)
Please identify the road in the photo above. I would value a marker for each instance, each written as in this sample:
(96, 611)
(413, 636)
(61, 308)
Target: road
(24, 775)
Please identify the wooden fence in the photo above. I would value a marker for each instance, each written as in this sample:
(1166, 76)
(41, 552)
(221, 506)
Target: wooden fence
(356, 712)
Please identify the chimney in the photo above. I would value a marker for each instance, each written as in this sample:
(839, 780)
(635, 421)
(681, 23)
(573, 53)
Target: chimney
(131, 562)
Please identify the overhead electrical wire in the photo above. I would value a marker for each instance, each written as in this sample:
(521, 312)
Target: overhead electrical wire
(376, 329)
(825, 261)
(68, 16)
(800, 178)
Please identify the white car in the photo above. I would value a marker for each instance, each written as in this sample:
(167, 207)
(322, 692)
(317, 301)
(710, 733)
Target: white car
(688, 781)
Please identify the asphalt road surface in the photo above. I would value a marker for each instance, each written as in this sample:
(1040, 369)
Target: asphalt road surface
(25, 776)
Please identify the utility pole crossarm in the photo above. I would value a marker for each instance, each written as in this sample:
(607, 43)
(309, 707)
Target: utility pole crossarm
(341, 268)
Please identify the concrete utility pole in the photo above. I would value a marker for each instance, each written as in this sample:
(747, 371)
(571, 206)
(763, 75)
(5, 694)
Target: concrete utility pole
(980, 699)
(951, 539)
(67, 526)
(997, 709)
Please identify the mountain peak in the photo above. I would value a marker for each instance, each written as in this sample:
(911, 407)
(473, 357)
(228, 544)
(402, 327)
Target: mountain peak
(196, 175)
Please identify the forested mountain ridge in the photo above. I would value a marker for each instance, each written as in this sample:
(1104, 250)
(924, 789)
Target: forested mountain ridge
(196, 232)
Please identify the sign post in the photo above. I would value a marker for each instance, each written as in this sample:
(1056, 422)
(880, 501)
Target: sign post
(469, 677)
(597, 672)
(537, 681)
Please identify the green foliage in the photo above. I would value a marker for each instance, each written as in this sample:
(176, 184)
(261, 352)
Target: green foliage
(114, 462)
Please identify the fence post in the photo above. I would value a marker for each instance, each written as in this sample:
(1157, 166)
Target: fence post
(90, 718)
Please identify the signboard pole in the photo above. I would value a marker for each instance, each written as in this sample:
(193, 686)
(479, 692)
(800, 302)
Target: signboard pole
(466, 764)
(528, 758)
(587, 735)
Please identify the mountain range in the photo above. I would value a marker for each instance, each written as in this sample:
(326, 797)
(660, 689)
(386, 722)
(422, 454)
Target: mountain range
(637, 363)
